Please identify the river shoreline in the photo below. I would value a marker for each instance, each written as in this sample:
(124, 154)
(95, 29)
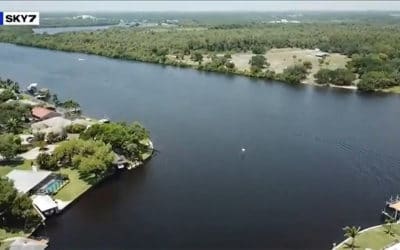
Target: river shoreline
(196, 67)
(34, 102)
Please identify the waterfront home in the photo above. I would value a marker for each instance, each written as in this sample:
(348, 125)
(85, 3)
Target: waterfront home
(40, 113)
(55, 125)
(45, 204)
(39, 185)
(29, 181)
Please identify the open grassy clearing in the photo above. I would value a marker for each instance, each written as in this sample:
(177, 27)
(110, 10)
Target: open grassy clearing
(283, 58)
(280, 59)
(6, 168)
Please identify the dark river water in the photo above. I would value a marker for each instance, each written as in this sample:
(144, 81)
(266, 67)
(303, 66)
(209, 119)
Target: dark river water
(316, 160)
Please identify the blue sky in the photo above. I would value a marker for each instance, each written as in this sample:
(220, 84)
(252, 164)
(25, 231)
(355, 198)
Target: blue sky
(197, 5)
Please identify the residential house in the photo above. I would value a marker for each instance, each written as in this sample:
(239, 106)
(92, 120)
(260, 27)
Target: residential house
(40, 113)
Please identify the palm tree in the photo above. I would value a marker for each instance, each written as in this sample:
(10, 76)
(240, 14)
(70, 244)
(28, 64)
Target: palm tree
(351, 232)
(13, 125)
(389, 223)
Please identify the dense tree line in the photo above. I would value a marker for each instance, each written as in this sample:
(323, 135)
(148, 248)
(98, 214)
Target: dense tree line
(372, 46)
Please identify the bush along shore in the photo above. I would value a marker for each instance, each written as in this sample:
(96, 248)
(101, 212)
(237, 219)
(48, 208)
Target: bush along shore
(50, 154)
(317, 53)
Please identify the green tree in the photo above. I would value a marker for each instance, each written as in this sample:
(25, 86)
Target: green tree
(307, 64)
(197, 57)
(376, 80)
(47, 162)
(16, 210)
(258, 61)
(122, 137)
(9, 146)
(75, 128)
(12, 112)
(342, 77)
(258, 50)
(13, 125)
(71, 105)
(22, 212)
(91, 158)
(7, 195)
(323, 76)
(6, 95)
(351, 232)
(293, 74)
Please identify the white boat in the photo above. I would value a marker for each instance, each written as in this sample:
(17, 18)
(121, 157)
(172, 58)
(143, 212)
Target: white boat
(81, 59)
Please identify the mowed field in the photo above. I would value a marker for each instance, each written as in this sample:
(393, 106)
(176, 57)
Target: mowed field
(279, 59)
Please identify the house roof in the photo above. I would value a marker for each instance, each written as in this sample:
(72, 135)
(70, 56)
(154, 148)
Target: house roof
(55, 125)
(41, 112)
(44, 202)
(26, 180)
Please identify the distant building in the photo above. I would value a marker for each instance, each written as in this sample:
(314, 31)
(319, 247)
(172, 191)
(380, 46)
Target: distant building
(41, 113)
(322, 54)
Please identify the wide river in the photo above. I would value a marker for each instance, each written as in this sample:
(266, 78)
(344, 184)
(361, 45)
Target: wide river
(316, 159)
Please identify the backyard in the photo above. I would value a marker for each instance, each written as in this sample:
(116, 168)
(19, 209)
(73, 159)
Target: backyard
(74, 188)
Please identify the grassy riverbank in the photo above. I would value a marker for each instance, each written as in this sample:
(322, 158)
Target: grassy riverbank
(375, 238)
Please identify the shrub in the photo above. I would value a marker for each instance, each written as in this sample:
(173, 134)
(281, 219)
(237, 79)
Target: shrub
(293, 74)
(6, 95)
(323, 76)
(47, 162)
(75, 128)
(307, 64)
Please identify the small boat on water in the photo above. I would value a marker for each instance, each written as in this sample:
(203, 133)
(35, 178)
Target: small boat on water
(392, 208)
(81, 59)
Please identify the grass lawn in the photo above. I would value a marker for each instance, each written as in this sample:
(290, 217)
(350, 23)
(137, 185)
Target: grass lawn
(5, 169)
(375, 239)
(4, 234)
(74, 188)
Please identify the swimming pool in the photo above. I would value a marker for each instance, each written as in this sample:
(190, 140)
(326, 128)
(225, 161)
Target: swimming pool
(52, 186)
